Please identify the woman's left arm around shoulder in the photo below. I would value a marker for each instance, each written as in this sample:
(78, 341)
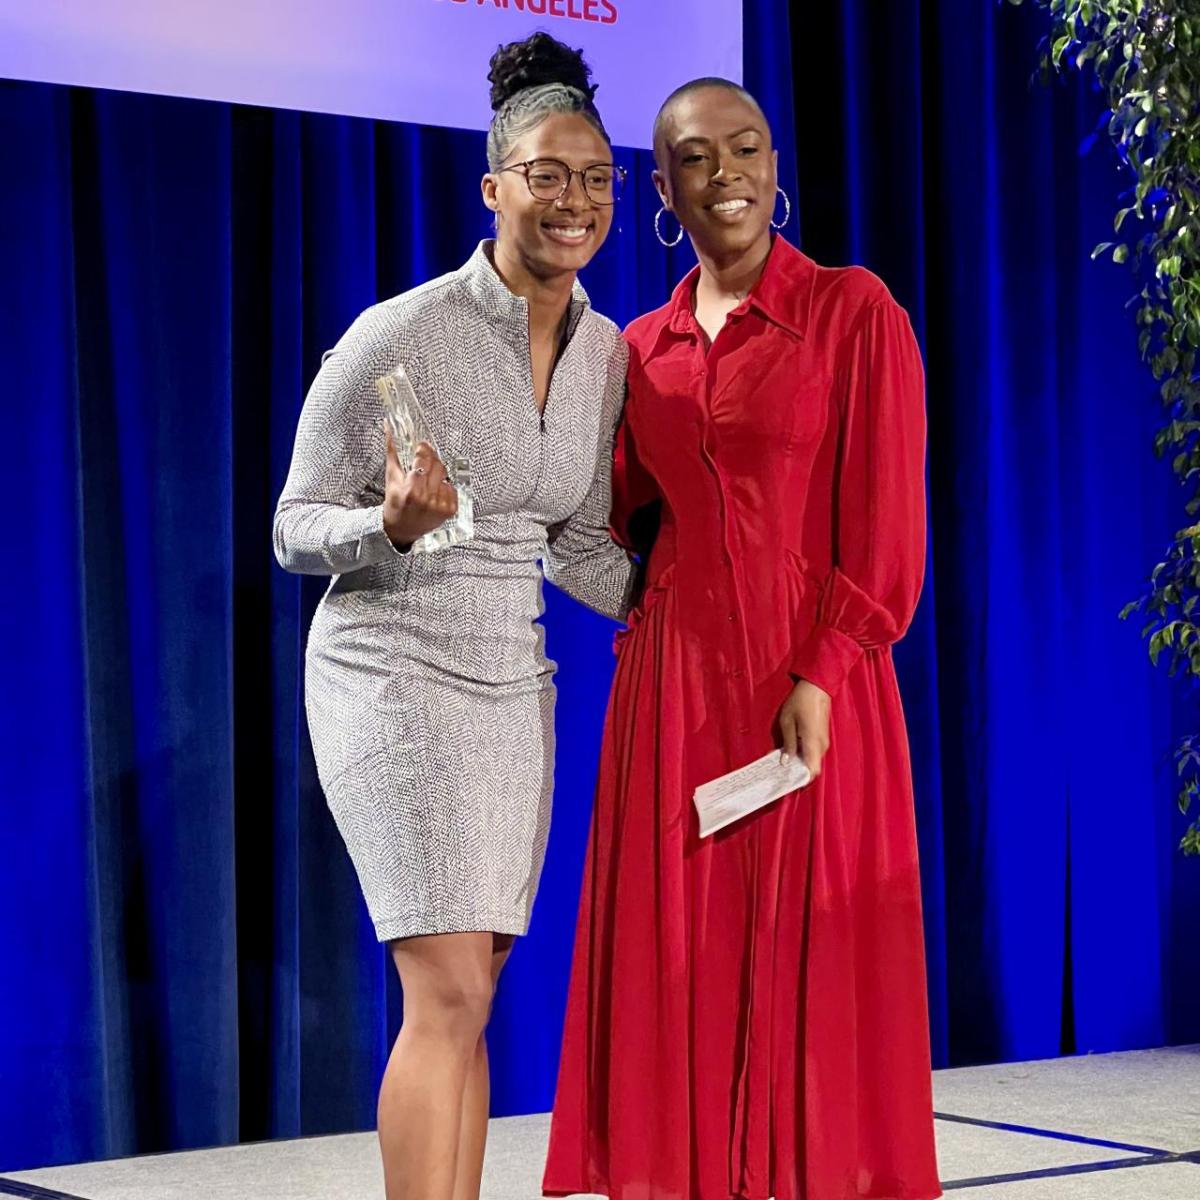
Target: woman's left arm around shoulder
(581, 557)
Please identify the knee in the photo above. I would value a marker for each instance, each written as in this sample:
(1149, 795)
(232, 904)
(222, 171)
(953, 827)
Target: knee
(457, 1006)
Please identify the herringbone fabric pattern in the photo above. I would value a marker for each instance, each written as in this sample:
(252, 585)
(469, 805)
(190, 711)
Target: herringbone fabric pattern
(430, 699)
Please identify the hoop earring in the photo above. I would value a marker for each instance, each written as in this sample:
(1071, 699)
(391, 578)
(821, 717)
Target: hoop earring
(658, 229)
(787, 216)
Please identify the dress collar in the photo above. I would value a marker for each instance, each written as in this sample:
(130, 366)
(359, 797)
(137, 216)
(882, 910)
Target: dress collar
(783, 293)
(502, 305)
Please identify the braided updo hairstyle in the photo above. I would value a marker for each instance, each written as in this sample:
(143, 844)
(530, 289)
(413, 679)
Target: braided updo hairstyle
(532, 80)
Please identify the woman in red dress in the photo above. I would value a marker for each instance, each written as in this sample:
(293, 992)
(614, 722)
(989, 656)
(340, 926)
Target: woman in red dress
(747, 1014)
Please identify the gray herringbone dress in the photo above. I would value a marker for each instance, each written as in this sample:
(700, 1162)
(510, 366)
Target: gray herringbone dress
(430, 699)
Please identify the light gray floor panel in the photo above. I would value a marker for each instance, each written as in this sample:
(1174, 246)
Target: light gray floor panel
(1147, 1098)
(1172, 1181)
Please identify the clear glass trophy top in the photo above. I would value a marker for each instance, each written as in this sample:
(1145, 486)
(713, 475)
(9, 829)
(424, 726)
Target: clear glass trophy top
(409, 427)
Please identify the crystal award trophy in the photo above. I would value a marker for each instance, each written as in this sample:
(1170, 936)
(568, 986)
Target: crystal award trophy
(409, 427)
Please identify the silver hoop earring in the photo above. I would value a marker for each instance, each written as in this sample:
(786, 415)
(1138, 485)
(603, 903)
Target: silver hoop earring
(658, 229)
(787, 216)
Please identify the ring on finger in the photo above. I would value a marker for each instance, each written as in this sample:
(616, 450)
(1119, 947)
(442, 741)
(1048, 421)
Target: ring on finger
(419, 471)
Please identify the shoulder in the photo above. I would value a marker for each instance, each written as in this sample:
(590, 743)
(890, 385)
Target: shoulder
(604, 341)
(600, 328)
(392, 321)
(848, 294)
(606, 356)
(642, 331)
(382, 328)
(849, 303)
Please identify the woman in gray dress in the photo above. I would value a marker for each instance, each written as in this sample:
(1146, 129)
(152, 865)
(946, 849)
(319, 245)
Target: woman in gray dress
(430, 699)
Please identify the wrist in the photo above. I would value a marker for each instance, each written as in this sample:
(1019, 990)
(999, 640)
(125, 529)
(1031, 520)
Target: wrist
(402, 539)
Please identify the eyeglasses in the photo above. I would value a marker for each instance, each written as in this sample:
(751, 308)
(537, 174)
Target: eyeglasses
(549, 179)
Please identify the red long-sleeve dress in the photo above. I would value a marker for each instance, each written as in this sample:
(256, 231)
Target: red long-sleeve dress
(747, 1013)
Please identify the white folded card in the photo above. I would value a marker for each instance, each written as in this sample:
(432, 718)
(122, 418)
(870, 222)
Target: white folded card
(723, 801)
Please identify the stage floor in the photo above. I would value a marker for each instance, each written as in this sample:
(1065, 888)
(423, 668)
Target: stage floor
(1103, 1127)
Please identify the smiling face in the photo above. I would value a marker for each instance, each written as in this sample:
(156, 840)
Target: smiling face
(717, 171)
(550, 237)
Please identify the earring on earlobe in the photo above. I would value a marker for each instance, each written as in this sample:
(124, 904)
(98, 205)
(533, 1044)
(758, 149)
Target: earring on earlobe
(787, 216)
(658, 216)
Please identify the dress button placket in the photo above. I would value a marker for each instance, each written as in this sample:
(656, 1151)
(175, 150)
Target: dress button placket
(708, 451)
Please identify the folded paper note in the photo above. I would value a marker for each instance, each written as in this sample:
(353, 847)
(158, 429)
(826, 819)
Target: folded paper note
(731, 797)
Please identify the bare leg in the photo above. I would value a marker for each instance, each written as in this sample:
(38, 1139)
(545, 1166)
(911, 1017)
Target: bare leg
(475, 1111)
(447, 985)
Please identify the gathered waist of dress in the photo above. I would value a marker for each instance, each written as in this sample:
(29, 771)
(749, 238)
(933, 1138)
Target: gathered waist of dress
(699, 555)
(665, 550)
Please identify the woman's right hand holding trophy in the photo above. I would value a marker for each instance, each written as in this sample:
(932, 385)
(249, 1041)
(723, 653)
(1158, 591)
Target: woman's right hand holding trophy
(418, 500)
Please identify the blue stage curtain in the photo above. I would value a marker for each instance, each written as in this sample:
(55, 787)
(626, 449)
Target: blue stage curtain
(184, 956)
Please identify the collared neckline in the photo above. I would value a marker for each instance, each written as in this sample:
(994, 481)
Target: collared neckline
(499, 302)
(783, 293)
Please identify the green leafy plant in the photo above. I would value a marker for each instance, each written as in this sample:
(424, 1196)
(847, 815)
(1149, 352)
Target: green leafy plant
(1145, 55)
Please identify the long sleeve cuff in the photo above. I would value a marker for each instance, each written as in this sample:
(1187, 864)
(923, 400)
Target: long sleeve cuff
(826, 657)
(602, 578)
(374, 545)
(849, 622)
(326, 539)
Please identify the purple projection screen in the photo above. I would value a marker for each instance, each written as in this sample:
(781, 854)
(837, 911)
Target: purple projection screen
(401, 60)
